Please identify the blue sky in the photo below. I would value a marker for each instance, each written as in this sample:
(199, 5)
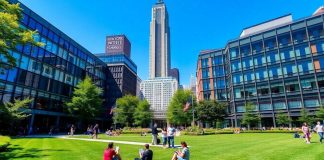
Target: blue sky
(195, 24)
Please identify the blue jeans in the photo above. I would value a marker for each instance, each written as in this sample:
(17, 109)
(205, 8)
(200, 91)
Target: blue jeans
(321, 136)
(164, 140)
(171, 141)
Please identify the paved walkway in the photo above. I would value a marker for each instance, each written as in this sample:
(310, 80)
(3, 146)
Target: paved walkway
(94, 140)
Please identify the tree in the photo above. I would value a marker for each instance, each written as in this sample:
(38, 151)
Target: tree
(320, 114)
(176, 113)
(305, 117)
(11, 33)
(282, 118)
(12, 113)
(124, 111)
(86, 102)
(249, 117)
(211, 110)
(143, 115)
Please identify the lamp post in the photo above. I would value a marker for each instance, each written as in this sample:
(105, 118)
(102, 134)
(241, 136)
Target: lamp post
(193, 111)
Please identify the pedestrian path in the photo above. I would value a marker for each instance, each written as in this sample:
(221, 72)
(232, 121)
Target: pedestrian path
(94, 140)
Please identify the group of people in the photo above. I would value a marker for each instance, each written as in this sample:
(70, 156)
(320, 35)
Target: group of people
(307, 131)
(145, 154)
(167, 136)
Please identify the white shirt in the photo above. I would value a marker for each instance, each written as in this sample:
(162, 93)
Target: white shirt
(319, 128)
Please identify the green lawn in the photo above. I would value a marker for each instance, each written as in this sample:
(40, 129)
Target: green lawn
(252, 146)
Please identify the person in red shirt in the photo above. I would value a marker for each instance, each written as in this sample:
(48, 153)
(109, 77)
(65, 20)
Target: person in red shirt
(110, 153)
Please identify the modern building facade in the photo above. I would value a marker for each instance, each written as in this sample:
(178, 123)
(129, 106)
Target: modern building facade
(277, 65)
(174, 72)
(123, 69)
(158, 92)
(48, 74)
(160, 60)
(118, 44)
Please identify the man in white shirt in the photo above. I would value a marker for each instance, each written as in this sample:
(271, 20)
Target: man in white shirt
(170, 133)
(319, 129)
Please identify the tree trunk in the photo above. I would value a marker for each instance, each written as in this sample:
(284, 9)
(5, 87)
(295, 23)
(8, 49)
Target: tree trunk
(248, 126)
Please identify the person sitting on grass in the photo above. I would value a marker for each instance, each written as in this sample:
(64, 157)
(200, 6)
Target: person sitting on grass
(110, 153)
(182, 155)
(146, 154)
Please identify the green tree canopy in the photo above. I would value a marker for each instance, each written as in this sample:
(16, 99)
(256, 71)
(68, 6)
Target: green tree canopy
(320, 114)
(211, 111)
(143, 115)
(125, 108)
(305, 117)
(176, 113)
(282, 118)
(12, 113)
(86, 102)
(11, 33)
(249, 117)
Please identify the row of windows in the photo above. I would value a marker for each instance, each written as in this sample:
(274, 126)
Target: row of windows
(282, 40)
(277, 88)
(274, 57)
(292, 104)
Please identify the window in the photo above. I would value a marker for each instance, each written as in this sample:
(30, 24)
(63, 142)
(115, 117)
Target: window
(305, 67)
(237, 79)
(287, 54)
(34, 66)
(47, 71)
(311, 103)
(247, 63)
(265, 106)
(24, 62)
(240, 108)
(206, 84)
(292, 86)
(205, 73)
(315, 32)
(279, 105)
(284, 40)
(308, 84)
(289, 70)
(257, 47)
(259, 60)
(220, 83)
(273, 57)
(275, 72)
(238, 93)
(218, 60)
(317, 47)
(270, 43)
(294, 104)
(261, 74)
(320, 81)
(245, 50)
(263, 90)
(234, 53)
(250, 92)
(302, 51)
(218, 71)
(277, 88)
(299, 36)
(12, 74)
(236, 65)
(249, 77)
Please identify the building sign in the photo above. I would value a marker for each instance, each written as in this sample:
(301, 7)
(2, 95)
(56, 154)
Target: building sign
(115, 44)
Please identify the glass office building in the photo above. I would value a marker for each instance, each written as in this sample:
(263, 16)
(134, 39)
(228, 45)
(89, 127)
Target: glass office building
(277, 65)
(49, 73)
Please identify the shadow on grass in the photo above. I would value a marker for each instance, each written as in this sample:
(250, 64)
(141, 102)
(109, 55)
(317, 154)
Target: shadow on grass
(17, 152)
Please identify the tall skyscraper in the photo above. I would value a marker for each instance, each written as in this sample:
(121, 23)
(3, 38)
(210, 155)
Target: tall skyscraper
(174, 72)
(159, 41)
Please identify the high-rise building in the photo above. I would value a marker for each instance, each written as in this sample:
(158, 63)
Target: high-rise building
(158, 92)
(123, 69)
(276, 65)
(174, 72)
(118, 44)
(160, 60)
(49, 74)
(192, 85)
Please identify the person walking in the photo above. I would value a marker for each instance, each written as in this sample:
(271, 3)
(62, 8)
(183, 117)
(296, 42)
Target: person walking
(72, 129)
(154, 134)
(306, 132)
(95, 131)
(171, 132)
(319, 129)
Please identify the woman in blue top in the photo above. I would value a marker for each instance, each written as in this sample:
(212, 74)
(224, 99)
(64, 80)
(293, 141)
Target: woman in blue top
(182, 155)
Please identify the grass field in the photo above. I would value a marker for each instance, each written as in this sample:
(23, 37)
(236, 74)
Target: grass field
(248, 146)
